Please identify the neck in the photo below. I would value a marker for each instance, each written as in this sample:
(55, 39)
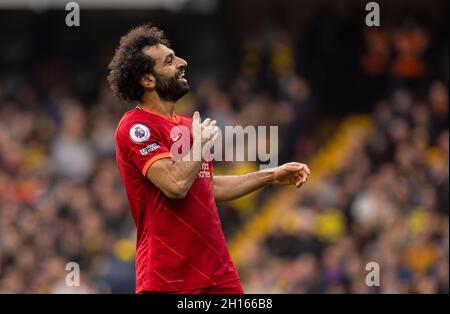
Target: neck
(154, 103)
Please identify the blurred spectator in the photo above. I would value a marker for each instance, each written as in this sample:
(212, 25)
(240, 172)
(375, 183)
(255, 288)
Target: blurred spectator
(71, 150)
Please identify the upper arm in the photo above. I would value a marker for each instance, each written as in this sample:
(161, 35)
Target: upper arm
(150, 156)
(144, 147)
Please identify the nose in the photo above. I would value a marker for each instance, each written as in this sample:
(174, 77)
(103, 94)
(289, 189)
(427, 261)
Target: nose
(182, 63)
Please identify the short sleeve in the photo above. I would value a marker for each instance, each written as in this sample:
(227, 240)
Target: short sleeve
(142, 144)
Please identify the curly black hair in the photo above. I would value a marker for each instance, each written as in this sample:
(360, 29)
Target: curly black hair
(130, 63)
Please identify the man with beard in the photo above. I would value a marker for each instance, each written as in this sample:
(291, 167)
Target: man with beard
(180, 244)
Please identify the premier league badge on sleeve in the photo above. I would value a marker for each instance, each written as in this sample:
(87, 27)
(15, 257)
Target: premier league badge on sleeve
(139, 133)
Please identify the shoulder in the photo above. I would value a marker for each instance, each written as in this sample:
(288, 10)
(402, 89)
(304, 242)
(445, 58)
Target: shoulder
(135, 126)
(137, 117)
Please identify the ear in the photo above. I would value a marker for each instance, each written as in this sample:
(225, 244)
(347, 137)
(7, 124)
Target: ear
(148, 81)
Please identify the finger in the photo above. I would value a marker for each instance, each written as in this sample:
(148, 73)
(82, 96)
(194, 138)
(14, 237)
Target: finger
(293, 168)
(302, 180)
(299, 179)
(214, 132)
(196, 118)
(208, 133)
(305, 177)
(294, 163)
(215, 136)
(196, 129)
(306, 168)
(206, 122)
(302, 177)
(301, 166)
(209, 129)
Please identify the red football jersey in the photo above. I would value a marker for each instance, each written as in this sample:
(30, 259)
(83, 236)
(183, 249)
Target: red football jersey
(180, 243)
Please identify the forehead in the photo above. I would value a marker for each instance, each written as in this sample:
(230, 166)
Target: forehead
(158, 52)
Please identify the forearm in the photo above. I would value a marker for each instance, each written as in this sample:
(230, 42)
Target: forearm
(184, 173)
(230, 187)
(174, 178)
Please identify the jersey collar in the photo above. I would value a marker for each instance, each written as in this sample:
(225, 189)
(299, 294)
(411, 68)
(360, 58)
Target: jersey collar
(176, 120)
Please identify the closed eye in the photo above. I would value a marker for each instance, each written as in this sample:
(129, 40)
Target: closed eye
(169, 59)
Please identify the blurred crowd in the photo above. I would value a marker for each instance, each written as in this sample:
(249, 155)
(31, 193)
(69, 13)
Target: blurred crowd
(388, 204)
(61, 196)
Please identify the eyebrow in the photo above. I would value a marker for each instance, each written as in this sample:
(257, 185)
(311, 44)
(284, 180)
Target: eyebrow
(170, 55)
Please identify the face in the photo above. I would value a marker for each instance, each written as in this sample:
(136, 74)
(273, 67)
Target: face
(169, 73)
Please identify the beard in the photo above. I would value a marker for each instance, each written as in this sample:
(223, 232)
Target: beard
(170, 88)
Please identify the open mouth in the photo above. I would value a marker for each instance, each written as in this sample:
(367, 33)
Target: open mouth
(182, 77)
